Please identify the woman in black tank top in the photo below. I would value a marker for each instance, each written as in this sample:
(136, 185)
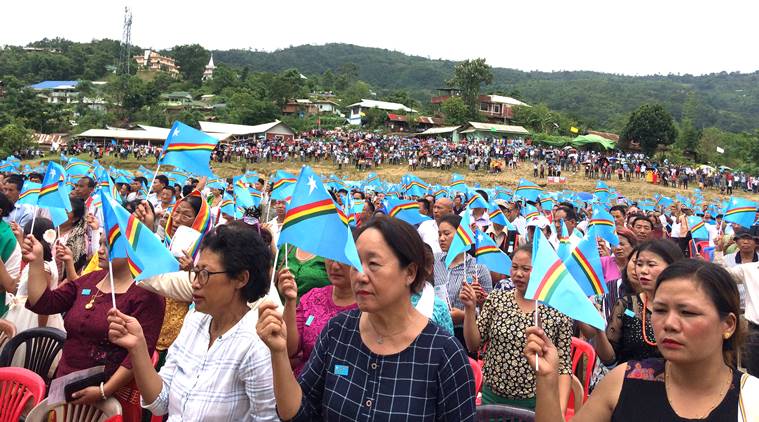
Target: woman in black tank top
(695, 320)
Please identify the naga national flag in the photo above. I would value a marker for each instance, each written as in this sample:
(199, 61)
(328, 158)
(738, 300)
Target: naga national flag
(30, 193)
(188, 149)
(76, 169)
(601, 192)
(282, 185)
(242, 196)
(528, 190)
(314, 223)
(584, 263)
(53, 192)
(406, 210)
(601, 224)
(414, 186)
(114, 240)
(462, 240)
(553, 284)
(227, 205)
(488, 254)
(103, 181)
(529, 212)
(547, 203)
(697, 228)
(741, 211)
(476, 201)
(146, 254)
(498, 217)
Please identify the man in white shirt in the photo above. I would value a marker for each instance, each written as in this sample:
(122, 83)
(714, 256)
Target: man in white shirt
(428, 229)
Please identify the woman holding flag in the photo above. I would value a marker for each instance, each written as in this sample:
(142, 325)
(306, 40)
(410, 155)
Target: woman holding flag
(503, 320)
(696, 310)
(85, 302)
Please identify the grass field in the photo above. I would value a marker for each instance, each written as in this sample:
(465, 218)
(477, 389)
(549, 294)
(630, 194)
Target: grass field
(509, 178)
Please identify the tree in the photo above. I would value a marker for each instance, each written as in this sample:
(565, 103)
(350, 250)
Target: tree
(403, 97)
(455, 111)
(688, 139)
(192, 60)
(223, 77)
(286, 86)
(651, 125)
(244, 108)
(468, 76)
(355, 93)
(14, 137)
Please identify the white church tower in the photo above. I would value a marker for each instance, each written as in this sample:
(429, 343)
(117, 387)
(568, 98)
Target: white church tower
(208, 72)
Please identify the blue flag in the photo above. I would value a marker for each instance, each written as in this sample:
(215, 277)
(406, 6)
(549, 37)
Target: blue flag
(462, 240)
(282, 185)
(488, 254)
(53, 192)
(406, 210)
(602, 225)
(30, 193)
(565, 246)
(188, 149)
(584, 263)
(697, 228)
(528, 190)
(553, 284)
(314, 223)
(741, 211)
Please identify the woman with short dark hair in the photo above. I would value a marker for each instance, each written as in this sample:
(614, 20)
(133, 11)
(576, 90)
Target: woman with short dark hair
(383, 361)
(217, 368)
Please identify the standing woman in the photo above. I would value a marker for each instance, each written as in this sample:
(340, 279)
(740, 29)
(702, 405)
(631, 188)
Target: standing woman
(629, 334)
(696, 309)
(73, 234)
(464, 269)
(384, 361)
(85, 302)
(505, 316)
(217, 369)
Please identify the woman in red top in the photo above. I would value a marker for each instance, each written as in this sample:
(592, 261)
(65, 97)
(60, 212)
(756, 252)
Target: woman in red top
(86, 302)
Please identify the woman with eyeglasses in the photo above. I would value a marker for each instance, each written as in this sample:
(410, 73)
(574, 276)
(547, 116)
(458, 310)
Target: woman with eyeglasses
(218, 368)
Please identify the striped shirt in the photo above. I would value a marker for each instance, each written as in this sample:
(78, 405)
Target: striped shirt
(431, 380)
(230, 381)
(453, 277)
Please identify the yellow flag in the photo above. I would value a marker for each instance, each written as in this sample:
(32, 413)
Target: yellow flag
(574, 129)
(92, 265)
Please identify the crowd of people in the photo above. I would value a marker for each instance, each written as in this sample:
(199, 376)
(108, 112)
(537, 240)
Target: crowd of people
(365, 151)
(247, 330)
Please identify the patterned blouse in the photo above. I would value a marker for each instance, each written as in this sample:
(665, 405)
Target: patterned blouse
(431, 380)
(312, 314)
(625, 331)
(503, 324)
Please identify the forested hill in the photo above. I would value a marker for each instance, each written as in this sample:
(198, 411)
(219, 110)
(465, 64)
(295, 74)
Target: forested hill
(598, 100)
(726, 100)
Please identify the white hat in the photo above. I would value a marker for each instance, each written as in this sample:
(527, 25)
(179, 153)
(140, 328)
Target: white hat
(540, 221)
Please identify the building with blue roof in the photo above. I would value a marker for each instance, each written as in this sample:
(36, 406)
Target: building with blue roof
(58, 92)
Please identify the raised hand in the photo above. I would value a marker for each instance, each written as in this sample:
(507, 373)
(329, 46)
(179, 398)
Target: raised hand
(271, 327)
(63, 253)
(468, 296)
(31, 249)
(185, 262)
(92, 222)
(124, 330)
(539, 347)
(286, 285)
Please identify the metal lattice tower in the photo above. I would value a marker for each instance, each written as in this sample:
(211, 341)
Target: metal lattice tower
(126, 42)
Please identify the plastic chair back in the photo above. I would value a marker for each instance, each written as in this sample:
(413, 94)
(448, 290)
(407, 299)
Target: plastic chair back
(477, 370)
(19, 389)
(129, 398)
(7, 331)
(579, 349)
(502, 412)
(42, 347)
(575, 399)
(67, 412)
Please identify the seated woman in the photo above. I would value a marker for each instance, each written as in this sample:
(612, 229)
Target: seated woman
(507, 377)
(383, 361)
(695, 319)
(629, 334)
(306, 319)
(85, 302)
(217, 368)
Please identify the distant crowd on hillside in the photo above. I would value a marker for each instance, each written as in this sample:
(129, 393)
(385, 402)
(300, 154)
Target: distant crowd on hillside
(365, 151)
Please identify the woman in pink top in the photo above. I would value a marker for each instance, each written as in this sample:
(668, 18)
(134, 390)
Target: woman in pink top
(306, 319)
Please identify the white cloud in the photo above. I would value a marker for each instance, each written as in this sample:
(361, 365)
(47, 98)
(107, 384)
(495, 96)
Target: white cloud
(633, 37)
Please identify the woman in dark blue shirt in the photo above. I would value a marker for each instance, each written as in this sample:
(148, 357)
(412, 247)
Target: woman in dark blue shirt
(384, 361)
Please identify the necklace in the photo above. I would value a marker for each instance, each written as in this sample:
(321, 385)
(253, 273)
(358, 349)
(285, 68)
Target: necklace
(723, 392)
(91, 303)
(645, 310)
(381, 338)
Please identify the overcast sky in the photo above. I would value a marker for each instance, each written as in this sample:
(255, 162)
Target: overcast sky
(629, 37)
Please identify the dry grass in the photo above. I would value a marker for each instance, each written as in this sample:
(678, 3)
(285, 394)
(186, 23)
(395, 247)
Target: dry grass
(636, 189)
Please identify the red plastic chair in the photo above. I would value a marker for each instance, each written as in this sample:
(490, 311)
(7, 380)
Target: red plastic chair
(129, 398)
(19, 389)
(579, 349)
(477, 370)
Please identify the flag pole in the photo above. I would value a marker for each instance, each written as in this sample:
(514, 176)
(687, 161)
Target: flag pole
(537, 321)
(34, 217)
(153, 180)
(113, 289)
(286, 256)
(274, 267)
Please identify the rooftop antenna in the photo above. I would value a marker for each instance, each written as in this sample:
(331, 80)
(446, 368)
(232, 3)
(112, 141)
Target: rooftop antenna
(126, 42)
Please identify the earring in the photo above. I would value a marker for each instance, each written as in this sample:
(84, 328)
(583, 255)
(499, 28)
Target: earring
(727, 335)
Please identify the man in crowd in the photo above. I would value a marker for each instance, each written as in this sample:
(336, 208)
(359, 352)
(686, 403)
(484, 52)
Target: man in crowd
(21, 213)
(428, 229)
(160, 182)
(618, 213)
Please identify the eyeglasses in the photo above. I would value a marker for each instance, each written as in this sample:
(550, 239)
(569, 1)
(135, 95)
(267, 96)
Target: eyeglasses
(202, 276)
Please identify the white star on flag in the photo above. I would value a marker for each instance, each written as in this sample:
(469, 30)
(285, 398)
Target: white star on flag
(311, 184)
(176, 133)
(479, 237)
